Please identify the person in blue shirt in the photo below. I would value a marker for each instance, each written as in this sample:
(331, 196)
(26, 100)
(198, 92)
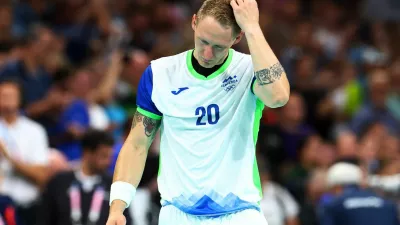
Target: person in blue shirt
(352, 204)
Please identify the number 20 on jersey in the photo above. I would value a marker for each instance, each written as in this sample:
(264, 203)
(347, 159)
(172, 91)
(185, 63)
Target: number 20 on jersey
(211, 113)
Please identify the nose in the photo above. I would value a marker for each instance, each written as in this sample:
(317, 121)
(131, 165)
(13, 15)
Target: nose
(208, 53)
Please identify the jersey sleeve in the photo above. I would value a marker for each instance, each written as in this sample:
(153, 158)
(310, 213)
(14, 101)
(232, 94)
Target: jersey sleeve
(253, 82)
(145, 104)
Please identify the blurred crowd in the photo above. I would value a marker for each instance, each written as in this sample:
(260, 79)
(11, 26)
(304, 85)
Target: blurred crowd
(68, 76)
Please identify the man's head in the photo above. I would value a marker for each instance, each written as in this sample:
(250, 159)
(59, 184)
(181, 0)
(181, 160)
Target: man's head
(10, 97)
(80, 82)
(343, 174)
(97, 150)
(36, 43)
(379, 87)
(215, 31)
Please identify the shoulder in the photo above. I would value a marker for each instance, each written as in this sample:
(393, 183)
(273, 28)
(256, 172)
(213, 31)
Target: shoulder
(60, 178)
(10, 70)
(12, 65)
(170, 62)
(335, 202)
(77, 105)
(241, 57)
(32, 125)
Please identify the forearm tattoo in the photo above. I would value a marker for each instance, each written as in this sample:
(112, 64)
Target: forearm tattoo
(150, 125)
(269, 75)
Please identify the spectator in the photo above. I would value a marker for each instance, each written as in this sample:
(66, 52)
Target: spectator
(278, 205)
(81, 196)
(25, 153)
(29, 70)
(296, 176)
(376, 110)
(354, 205)
(81, 106)
(281, 142)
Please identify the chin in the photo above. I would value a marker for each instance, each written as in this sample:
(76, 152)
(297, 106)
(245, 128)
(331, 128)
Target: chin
(207, 65)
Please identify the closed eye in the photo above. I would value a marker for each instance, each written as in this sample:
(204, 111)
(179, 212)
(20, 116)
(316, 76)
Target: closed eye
(204, 42)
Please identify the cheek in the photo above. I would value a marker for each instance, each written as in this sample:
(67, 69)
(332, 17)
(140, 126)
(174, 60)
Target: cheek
(198, 45)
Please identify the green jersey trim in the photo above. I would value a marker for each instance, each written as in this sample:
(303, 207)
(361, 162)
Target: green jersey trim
(213, 75)
(148, 114)
(256, 128)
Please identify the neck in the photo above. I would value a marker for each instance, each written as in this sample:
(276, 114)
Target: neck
(86, 169)
(10, 119)
(219, 63)
(30, 63)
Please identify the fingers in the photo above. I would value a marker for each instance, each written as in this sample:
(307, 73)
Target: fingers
(240, 2)
(234, 4)
(237, 3)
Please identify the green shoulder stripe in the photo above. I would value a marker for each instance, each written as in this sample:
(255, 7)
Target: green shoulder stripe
(148, 114)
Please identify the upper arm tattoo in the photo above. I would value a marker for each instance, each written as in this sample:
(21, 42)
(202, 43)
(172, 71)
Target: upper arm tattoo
(269, 75)
(150, 125)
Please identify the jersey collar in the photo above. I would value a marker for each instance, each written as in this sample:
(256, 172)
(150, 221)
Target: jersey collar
(213, 75)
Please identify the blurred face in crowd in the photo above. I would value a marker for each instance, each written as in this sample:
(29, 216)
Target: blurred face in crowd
(326, 155)
(391, 148)
(303, 33)
(379, 84)
(310, 150)
(332, 14)
(347, 145)
(368, 150)
(9, 99)
(100, 159)
(293, 111)
(43, 44)
(212, 41)
(290, 9)
(80, 84)
(305, 67)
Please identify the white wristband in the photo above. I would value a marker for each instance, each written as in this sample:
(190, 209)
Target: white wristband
(123, 191)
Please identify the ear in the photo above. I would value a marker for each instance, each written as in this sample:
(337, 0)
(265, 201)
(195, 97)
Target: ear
(238, 38)
(194, 22)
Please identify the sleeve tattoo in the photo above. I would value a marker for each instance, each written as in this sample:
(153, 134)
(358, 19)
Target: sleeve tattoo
(269, 75)
(150, 125)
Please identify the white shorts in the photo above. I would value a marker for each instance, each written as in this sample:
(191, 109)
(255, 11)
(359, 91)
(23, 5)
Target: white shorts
(170, 215)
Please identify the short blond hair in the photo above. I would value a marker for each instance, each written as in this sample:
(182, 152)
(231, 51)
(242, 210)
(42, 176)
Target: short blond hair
(220, 10)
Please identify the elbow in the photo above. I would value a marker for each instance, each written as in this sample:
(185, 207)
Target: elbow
(279, 100)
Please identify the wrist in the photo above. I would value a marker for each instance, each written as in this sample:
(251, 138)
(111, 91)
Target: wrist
(122, 194)
(252, 30)
(117, 206)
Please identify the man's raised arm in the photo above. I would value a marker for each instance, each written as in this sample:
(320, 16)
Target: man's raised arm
(272, 85)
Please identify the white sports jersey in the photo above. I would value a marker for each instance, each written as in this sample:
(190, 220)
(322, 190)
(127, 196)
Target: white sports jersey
(208, 133)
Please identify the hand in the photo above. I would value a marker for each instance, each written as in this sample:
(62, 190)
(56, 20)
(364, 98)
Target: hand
(246, 13)
(3, 150)
(116, 218)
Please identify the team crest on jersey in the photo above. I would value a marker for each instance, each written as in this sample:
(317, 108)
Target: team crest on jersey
(229, 83)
